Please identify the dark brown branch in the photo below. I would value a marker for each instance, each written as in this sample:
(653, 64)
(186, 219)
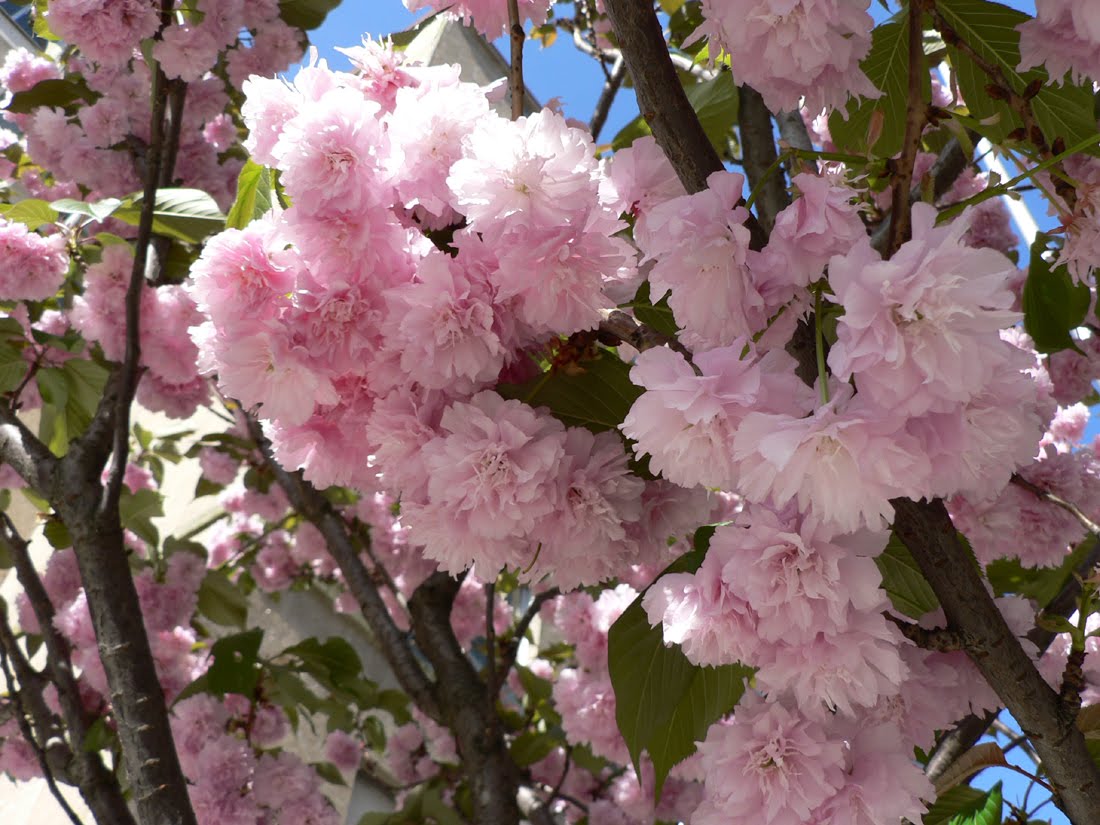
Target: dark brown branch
(662, 100)
(1073, 681)
(490, 646)
(515, 68)
(916, 114)
(758, 156)
(97, 785)
(940, 639)
(607, 97)
(661, 97)
(508, 660)
(29, 457)
(393, 643)
(927, 531)
(464, 699)
(8, 648)
(951, 162)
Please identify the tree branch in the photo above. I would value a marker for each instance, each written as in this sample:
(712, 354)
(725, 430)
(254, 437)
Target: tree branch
(662, 100)
(9, 648)
(900, 226)
(29, 457)
(394, 645)
(926, 529)
(758, 154)
(1057, 501)
(508, 660)
(464, 699)
(515, 67)
(97, 785)
(607, 97)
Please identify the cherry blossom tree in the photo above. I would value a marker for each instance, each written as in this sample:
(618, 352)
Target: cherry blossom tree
(731, 470)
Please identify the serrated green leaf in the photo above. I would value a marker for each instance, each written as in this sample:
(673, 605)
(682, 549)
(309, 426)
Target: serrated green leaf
(988, 812)
(12, 367)
(138, 510)
(664, 703)
(991, 29)
(658, 316)
(909, 591)
(1053, 304)
(959, 801)
(306, 14)
(531, 746)
(98, 210)
(236, 666)
(187, 215)
(221, 601)
(332, 662)
(31, 212)
(716, 103)
(255, 195)
(887, 66)
(328, 772)
(597, 398)
(1039, 583)
(57, 534)
(52, 92)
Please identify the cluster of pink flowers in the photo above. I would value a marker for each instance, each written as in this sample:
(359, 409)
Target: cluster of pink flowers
(1064, 36)
(235, 774)
(790, 49)
(383, 335)
(490, 17)
(32, 267)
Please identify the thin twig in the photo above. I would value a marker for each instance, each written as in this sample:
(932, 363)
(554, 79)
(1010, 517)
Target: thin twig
(916, 115)
(607, 97)
(515, 75)
(1057, 501)
(508, 660)
(490, 645)
(942, 640)
(394, 644)
(25, 726)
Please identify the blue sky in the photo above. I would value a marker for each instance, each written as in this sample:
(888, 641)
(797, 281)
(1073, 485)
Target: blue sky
(576, 80)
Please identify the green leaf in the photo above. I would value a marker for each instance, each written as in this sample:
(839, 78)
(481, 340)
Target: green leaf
(236, 666)
(1063, 111)
(53, 92)
(306, 14)
(658, 316)
(333, 662)
(187, 215)
(138, 510)
(664, 703)
(12, 367)
(31, 212)
(1039, 583)
(255, 195)
(57, 534)
(71, 394)
(597, 398)
(887, 66)
(99, 210)
(221, 601)
(328, 772)
(715, 101)
(909, 591)
(1053, 304)
(961, 800)
(99, 736)
(531, 746)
